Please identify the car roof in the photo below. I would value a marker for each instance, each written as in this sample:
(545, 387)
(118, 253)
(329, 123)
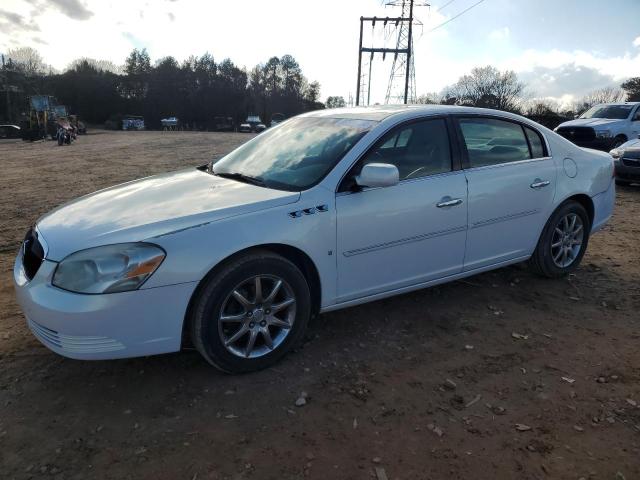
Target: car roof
(617, 104)
(381, 112)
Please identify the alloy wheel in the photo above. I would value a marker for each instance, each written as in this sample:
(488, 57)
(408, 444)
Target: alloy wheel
(257, 316)
(566, 241)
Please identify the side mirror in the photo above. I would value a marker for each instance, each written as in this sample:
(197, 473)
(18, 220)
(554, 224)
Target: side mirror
(378, 175)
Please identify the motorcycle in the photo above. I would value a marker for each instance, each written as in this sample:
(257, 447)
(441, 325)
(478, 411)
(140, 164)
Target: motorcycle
(64, 136)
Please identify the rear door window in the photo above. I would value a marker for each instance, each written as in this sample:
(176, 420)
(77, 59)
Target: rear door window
(491, 141)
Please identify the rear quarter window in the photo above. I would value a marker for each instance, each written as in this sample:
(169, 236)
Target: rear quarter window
(536, 143)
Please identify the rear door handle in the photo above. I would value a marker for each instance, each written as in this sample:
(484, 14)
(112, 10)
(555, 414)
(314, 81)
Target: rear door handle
(537, 183)
(449, 202)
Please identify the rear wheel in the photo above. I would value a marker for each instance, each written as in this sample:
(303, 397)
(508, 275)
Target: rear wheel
(251, 313)
(563, 241)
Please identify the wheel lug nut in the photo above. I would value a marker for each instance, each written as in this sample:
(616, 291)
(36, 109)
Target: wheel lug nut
(249, 314)
(267, 311)
(263, 323)
(251, 325)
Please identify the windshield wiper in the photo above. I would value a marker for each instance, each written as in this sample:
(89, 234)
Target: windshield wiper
(242, 178)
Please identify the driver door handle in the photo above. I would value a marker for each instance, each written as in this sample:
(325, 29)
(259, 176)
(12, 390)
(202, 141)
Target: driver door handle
(449, 202)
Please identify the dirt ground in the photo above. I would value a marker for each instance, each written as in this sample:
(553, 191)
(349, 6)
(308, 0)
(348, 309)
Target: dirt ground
(501, 376)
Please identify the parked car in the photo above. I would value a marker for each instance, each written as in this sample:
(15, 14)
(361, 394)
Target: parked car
(603, 126)
(627, 162)
(252, 124)
(277, 118)
(133, 122)
(223, 124)
(10, 131)
(327, 210)
(170, 123)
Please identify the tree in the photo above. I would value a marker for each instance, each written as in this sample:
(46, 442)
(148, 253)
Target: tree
(88, 91)
(602, 95)
(101, 65)
(138, 62)
(196, 91)
(311, 95)
(541, 107)
(335, 102)
(137, 68)
(545, 111)
(279, 86)
(632, 87)
(27, 60)
(429, 99)
(487, 87)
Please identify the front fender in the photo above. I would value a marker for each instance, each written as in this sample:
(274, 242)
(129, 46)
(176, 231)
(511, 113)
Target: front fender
(193, 252)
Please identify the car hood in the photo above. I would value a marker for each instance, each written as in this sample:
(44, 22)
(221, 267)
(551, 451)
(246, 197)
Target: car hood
(151, 207)
(630, 145)
(590, 122)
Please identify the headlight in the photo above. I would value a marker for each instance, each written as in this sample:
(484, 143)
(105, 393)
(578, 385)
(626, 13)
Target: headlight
(603, 134)
(615, 153)
(109, 269)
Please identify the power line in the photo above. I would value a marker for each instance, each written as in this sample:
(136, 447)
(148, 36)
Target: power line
(445, 5)
(456, 16)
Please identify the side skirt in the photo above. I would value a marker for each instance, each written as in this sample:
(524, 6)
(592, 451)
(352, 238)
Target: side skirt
(418, 286)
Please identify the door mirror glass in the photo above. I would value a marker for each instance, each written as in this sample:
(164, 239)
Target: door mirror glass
(378, 175)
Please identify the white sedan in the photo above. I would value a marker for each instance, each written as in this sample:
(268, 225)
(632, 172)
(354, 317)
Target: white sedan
(327, 210)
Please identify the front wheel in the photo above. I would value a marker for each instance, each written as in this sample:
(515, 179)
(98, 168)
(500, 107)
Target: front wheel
(563, 241)
(618, 141)
(251, 313)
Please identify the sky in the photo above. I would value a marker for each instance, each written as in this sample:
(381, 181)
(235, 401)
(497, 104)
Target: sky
(561, 49)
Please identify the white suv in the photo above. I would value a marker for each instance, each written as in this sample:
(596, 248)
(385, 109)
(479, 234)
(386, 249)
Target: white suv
(603, 126)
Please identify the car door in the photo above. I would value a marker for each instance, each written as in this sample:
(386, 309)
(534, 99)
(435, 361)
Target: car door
(511, 189)
(393, 237)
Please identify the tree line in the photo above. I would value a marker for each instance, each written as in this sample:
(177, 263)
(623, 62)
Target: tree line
(196, 90)
(488, 87)
(200, 88)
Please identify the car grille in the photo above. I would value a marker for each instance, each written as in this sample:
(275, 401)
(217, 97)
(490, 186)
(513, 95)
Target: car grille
(32, 254)
(577, 134)
(74, 344)
(631, 162)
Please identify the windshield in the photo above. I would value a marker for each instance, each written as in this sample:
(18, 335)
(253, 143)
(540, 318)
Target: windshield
(616, 112)
(296, 154)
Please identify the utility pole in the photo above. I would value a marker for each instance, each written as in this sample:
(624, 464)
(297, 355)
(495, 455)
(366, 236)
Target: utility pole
(359, 63)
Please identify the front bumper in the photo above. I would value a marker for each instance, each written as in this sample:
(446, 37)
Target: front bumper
(98, 327)
(627, 169)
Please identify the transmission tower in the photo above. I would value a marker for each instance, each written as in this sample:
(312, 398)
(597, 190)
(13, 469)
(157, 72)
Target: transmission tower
(402, 82)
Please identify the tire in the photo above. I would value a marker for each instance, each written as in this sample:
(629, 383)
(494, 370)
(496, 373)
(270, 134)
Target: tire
(623, 183)
(548, 258)
(217, 298)
(619, 140)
